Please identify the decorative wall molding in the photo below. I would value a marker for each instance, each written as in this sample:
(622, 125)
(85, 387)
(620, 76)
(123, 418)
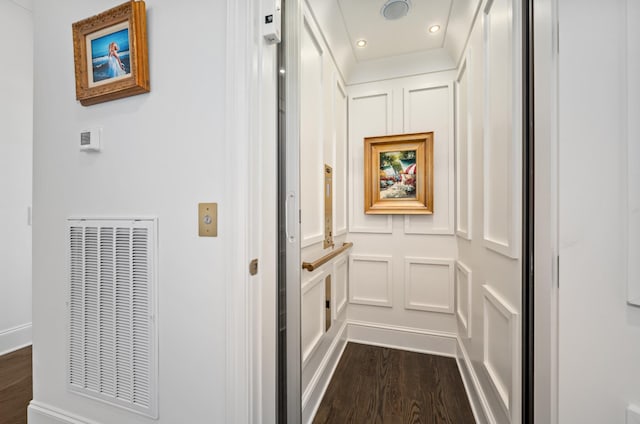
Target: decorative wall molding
(477, 397)
(15, 338)
(313, 315)
(464, 299)
(442, 221)
(317, 387)
(340, 158)
(505, 386)
(421, 293)
(41, 413)
(633, 152)
(340, 290)
(361, 281)
(405, 338)
(312, 137)
(502, 127)
(374, 108)
(464, 149)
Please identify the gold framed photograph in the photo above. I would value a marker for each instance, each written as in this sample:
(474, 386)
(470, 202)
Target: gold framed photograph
(110, 54)
(398, 174)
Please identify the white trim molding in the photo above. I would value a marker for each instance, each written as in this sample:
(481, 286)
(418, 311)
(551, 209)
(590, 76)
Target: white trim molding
(308, 286)
(317, 387)
(477, 398)
(15, 338)
(505, 244)
(42, 413)
(508, 395)
(410, 302)
(340, 305)
(425, 224)
(464, 309)
(386, 301)
(439, 343)
(383, 223)
(464, 231)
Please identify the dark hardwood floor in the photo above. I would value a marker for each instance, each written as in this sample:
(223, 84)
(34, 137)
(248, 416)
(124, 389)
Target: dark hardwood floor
(375, 385)
(15, 386)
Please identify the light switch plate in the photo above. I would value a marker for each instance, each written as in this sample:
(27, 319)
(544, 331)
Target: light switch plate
(208, 219)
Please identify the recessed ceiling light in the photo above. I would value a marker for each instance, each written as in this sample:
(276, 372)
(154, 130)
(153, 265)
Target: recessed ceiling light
(361, 43)
(434, 28)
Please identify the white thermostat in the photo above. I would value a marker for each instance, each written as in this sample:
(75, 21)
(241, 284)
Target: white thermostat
(90, 140)
(271, 24)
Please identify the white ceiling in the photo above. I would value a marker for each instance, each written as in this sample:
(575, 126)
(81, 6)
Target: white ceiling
(410, 34)
(395, 48)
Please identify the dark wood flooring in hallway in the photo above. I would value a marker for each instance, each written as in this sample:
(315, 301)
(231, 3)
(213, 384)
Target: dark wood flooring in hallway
(15, 386)
(376, 385)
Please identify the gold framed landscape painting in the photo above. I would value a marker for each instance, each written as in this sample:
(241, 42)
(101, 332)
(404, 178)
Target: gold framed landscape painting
(398, 174)
(110, 54)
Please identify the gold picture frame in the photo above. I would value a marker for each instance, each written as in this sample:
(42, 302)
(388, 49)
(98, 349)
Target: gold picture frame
(110, 54)
(398, 174)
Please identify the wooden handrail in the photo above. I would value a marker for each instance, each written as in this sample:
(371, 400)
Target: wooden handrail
(311, 266)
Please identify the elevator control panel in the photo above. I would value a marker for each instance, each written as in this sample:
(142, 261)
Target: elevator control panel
(328, 207)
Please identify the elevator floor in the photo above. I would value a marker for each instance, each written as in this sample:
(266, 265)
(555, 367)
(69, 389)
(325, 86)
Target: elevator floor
(377, 385)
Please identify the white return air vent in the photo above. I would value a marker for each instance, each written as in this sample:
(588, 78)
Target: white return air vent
(112, 326)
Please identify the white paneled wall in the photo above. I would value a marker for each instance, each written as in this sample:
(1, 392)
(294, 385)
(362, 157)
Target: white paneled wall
(488, 160)
(402, 267)
(429, 284)
(370, 113)
(371, 280)
(323, 141)
(502, 129)
(311, 134)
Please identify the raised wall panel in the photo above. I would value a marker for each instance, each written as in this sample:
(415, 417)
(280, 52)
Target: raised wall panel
(369, 115)
(312, 314)
(502, 127)
(633, 155)
(311, 138)
(464, 286)
(340, 169)
(341, 281)
(370, 280)
(463, 150)
(429, 284)
(431, 108)
(501, 348)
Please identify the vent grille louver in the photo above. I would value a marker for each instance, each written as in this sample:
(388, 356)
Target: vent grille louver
(112, 353)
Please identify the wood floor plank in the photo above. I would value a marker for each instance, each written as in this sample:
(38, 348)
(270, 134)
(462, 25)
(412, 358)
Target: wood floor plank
(15, 386)
(376, 385)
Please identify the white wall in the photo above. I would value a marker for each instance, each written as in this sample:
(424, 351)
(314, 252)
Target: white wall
(599, 331)
(401, 267)
(16, 145)
(163, 153)
(488, 280)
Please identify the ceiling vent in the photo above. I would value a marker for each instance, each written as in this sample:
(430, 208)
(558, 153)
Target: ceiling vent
(395, 9)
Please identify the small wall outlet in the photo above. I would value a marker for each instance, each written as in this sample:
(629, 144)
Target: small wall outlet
(90, 140)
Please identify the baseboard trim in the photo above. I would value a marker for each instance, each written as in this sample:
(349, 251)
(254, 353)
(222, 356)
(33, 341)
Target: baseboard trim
(317, 387)
(41, 413)
(15, 338)
(477, 398)
(405, 338)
